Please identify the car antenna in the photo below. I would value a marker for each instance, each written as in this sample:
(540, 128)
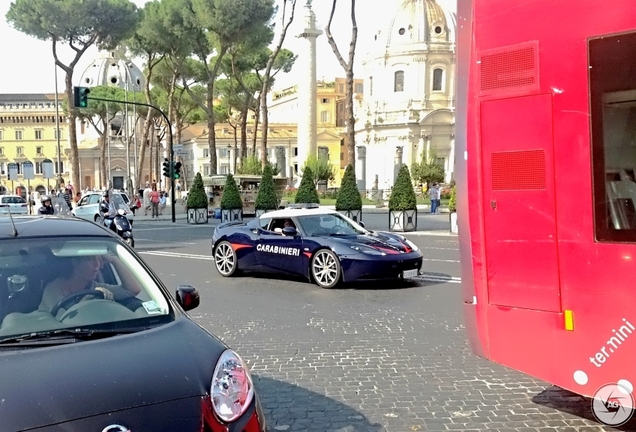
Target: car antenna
(15, 231)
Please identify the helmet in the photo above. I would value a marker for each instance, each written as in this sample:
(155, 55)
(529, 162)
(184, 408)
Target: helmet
(45, 198)
(105, 194)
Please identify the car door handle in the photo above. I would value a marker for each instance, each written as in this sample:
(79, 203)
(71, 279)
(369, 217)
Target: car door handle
(493, 204)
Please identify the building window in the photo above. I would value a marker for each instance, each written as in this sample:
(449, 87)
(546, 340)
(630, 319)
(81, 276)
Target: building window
(18, 135)
(398, 81)
(60, 133)
(1, 150)
(1, 135)
(223, 153)
(359, 88)
(324, 116)
(296, 168)
(438, 77)
(38, 168)
(59, 167)
(295, 151)
(206, 170)
(341, 88)
(39, 150)
(612, 115)
(20, 150)
(341, 156)
(206, 153)
(325, 101)
(225, 169)
(370, 86)
(38, 134)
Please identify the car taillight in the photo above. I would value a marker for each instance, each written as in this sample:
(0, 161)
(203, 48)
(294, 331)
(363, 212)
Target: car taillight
(232, 388)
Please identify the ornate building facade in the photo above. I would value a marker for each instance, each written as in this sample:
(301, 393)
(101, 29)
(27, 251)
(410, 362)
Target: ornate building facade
(408, 109)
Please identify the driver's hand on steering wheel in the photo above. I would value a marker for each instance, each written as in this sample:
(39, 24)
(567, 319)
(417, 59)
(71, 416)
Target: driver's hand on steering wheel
(108, 295)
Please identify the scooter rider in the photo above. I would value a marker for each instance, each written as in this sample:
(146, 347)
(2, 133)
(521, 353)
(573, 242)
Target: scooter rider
(47, 207)
(105, 209)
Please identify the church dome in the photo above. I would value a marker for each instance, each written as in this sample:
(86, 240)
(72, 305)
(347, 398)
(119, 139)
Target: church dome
(416, 22)
(113, 69)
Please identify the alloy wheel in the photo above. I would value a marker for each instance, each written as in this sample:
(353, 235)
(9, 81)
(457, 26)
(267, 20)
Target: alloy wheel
(325, 269)
(225, 259)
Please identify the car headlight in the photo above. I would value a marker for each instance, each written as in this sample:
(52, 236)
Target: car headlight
(368, 250)
(232, 387)
(411, 244)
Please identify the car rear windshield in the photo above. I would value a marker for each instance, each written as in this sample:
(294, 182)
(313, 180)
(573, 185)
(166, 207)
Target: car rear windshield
(13, 200)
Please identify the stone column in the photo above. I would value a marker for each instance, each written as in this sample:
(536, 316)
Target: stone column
(307, 106)
(427, 148)
(451, 159)
(361, 168)
(280, 159)
(397, 162)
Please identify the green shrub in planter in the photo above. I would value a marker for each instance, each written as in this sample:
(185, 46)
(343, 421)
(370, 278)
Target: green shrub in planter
(266, 198)
(349, 196)
(231, 199)
(403, 195)
(197, 198)
(307, 190)
(452, 204)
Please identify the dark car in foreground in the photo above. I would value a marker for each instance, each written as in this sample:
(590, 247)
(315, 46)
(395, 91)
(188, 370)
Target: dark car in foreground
(320, 244)
(91, 340)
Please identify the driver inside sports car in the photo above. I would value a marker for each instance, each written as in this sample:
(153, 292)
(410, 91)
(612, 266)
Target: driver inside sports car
(82, 277)
(288, 223)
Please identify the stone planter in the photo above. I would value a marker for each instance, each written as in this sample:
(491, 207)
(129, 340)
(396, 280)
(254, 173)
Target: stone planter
(260, 213)
(403, 221)
(231, 215)
(197, 215)
(454, 228)
(354, 215)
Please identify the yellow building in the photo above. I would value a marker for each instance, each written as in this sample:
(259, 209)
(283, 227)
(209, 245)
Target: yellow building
(283, 109)
(28, 133)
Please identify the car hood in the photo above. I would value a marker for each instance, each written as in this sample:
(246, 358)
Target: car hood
(45, 386)
(383, 241)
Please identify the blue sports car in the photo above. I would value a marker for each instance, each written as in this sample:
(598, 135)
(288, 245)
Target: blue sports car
(320, 244)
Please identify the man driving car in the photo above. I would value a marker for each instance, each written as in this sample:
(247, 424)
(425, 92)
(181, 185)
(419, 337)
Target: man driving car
(84, 271)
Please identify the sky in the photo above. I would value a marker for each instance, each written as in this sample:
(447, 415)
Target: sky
(28, 62)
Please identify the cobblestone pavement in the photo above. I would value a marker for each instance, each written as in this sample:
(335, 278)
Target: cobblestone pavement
(370, 357)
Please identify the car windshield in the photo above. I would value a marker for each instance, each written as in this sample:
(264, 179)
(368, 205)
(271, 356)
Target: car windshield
(45, 286)
(329, 224)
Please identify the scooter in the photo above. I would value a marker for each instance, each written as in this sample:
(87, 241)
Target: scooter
(121, 225)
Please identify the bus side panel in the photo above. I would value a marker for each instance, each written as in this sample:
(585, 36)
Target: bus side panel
(467, 166)
(519, 207)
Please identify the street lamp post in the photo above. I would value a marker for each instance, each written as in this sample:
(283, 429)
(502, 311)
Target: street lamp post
(57, 132)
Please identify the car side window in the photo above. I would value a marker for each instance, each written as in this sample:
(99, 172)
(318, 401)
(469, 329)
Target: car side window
(83, 201)
(264, 223)
(94, 199)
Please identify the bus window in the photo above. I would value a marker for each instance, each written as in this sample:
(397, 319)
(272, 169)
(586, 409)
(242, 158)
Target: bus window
(613, 124)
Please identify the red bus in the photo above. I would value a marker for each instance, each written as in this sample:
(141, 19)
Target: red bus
(546, 174)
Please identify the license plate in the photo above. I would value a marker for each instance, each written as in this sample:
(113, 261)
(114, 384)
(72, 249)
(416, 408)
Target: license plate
(409, 274)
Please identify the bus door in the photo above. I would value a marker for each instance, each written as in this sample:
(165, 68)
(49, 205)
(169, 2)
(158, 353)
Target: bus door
(519, 203)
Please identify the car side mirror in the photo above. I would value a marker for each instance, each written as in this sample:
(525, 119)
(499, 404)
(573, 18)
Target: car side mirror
(290, 232)
(187, 297)
(361, 224)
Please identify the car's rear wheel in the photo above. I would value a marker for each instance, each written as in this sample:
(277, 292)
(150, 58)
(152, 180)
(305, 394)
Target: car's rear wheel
(225, 259)
(326, 269)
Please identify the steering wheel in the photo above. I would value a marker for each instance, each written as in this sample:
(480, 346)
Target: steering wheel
(74, 298)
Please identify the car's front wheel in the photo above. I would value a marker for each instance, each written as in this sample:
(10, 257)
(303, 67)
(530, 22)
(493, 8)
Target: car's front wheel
(326, 269)
(225, 259)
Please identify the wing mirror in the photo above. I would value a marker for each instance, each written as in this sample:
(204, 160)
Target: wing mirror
(290, 232)
(187, 297)
(361, 224)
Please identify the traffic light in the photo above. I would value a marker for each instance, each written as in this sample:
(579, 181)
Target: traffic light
(177, 171)
(166, 168)
(80, 96)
